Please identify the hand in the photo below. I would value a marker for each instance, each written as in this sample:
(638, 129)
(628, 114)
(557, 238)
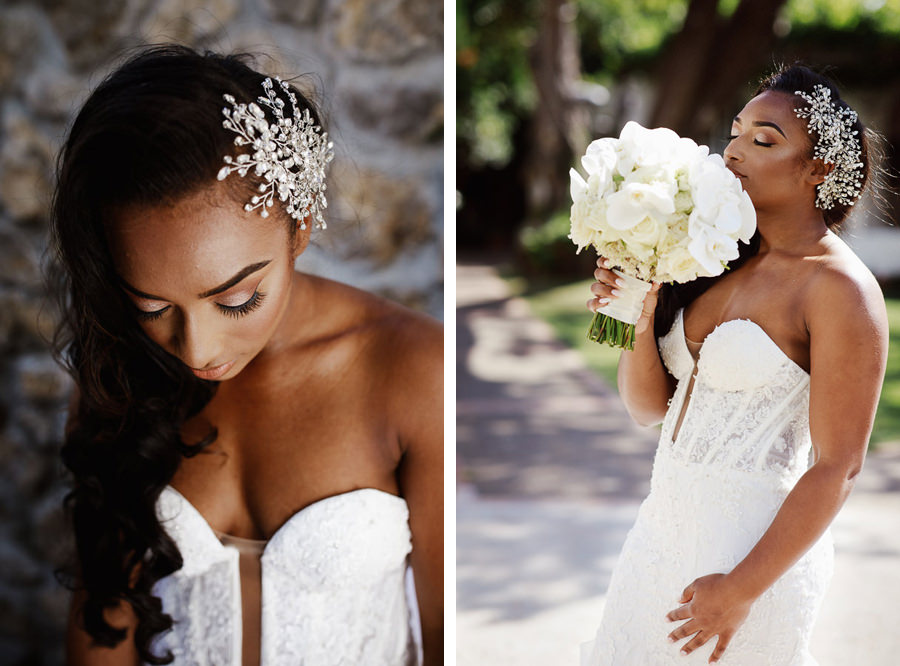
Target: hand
(712, 608)
(604, 289)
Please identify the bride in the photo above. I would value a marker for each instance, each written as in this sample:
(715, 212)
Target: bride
(256, 453)
(766, 381)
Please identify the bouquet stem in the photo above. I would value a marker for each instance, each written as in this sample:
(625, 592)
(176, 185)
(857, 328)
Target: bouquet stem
(613, 332)
(614, 322)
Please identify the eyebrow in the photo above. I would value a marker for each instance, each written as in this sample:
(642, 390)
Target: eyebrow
(228, 284)
(762, 123)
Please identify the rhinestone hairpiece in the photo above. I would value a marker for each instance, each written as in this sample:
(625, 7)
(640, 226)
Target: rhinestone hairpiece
(291, 154)
(838, 144)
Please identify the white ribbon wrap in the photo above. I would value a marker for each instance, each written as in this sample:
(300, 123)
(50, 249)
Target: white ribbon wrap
(628, 306)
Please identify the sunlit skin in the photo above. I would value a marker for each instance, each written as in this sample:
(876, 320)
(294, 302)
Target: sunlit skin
(822, 306)
(332, 388)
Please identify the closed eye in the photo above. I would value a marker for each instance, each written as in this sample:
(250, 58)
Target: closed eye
(732, 137)
(231, 310)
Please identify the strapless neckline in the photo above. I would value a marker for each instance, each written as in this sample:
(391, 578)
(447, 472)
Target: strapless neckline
(262, 544)
(732, 322)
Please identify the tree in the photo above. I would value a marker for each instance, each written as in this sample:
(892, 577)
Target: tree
(709, 61)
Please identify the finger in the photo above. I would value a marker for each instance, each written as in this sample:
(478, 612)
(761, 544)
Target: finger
(698, 640)
(688, 594)
(608, 277)
(719, 650)
(595, 304)
(687, 629)
(602, 262)
(680, 613)
(601, 290)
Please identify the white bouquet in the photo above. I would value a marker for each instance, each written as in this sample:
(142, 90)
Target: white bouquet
(660, 208)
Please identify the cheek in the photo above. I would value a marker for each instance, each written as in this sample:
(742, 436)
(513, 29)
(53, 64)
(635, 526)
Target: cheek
(259, 325)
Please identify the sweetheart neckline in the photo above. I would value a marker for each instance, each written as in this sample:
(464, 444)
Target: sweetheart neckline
(281, 528)
(731, 321)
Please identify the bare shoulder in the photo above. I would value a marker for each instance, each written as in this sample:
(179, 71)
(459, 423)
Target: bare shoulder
(404, 346)
(843, 289)
(404, 356)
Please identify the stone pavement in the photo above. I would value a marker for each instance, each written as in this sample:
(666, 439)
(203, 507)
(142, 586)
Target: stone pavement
(550, 474)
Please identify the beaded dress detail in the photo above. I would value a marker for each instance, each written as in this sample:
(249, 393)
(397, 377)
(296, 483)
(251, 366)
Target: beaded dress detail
(334, 586)
(734, 441)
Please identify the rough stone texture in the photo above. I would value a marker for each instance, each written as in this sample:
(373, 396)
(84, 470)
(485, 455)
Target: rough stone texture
(188, 21)
(388, 213)
(386, 31)
(376, 71)
(406, 105)
(299, 12)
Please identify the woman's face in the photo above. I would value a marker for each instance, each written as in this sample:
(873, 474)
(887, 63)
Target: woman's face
(769, 151)
(210, 282)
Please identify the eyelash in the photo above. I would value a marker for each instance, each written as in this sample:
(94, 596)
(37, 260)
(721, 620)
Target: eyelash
(232, 311)
(758, 143)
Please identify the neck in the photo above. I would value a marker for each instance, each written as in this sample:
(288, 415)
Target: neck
(790, 230)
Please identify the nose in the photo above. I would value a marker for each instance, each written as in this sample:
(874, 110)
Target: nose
(197, 343)
(732, 152)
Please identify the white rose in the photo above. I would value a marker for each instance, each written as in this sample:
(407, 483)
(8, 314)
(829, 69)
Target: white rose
(648, 232)
(677, 265)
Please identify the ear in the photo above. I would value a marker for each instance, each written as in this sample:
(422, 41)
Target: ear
(816, 172)
(301, 236)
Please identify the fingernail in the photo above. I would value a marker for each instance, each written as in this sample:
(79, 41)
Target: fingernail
(603, 301)
(671, 639)
(684, 652)
(621, 282)
(616, 293)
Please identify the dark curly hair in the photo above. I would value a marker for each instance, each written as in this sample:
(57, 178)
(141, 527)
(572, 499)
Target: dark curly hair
(786, 79)
(150, 133)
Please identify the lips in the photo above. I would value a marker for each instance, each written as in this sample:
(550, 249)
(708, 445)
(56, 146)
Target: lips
(736, 173)
(213, 373)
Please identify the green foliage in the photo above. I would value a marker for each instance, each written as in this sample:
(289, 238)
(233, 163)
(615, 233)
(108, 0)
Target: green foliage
(616, 35)
(548, 250)
(563, 307)
(495, 91)
(544, 244)
(882, 16)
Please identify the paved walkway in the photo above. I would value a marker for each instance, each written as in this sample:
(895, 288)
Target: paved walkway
(551, 471)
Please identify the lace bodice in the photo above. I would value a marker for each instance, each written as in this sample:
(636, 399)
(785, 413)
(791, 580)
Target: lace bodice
(748, 408)
(719, 478)
(334, 586)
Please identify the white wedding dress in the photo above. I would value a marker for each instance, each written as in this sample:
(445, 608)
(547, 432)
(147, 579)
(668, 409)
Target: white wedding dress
(741, 446)
(332, 586)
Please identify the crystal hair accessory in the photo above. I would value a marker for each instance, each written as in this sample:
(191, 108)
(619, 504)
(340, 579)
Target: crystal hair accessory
(838, 144)
(290, 154)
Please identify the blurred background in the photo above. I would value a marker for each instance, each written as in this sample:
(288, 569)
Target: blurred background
(377, 69)
(550, 468)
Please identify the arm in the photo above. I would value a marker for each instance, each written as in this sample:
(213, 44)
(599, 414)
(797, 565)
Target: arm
(420, 408)
(80, 650)
(644, 384)
(848, 353)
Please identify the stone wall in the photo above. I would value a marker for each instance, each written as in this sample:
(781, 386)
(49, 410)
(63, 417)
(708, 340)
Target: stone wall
(378, 69)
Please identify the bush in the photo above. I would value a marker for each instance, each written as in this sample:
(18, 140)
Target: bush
(547, 250)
